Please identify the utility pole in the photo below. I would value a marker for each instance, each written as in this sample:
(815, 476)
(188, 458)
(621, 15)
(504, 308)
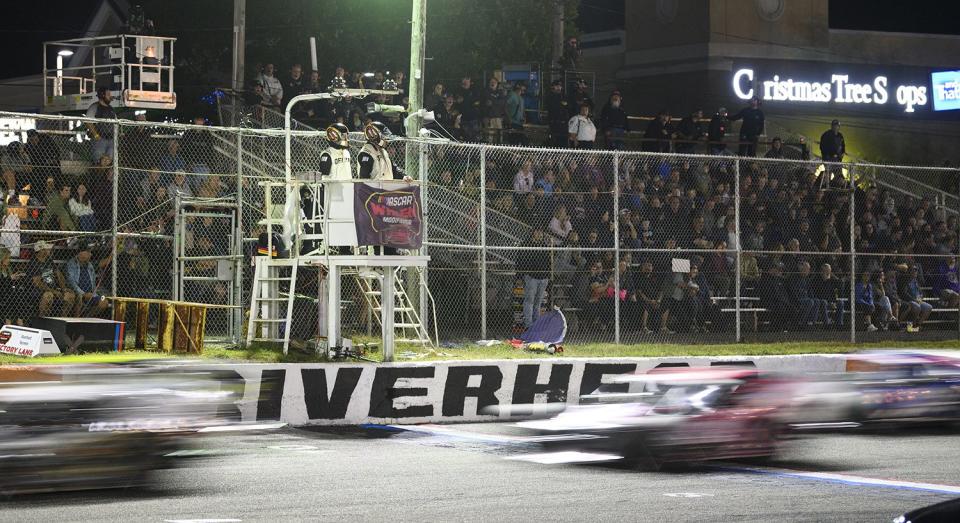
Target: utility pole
(418, 42)
(557, 50)
(239, 41)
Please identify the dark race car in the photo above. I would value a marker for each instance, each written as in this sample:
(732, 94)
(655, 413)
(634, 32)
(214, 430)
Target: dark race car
(680, 415)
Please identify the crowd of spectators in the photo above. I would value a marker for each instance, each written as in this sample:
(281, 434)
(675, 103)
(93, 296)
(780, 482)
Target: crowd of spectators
(795, 237)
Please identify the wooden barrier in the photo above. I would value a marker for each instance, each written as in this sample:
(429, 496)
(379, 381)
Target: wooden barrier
(180, 324)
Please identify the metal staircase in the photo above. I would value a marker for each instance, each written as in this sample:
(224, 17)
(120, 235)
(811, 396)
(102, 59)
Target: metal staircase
(271, 312)
(408, 327)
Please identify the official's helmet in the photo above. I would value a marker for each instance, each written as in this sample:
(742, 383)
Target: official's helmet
(337, 135)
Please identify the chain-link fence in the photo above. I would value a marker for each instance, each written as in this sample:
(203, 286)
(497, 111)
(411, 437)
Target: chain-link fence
(632, 247)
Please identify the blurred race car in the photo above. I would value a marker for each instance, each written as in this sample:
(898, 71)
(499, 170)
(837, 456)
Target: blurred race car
(688, 414)
(85, 427)
(906, 386)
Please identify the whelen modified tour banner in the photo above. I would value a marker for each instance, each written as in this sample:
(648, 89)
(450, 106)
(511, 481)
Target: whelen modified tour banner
(388, 216)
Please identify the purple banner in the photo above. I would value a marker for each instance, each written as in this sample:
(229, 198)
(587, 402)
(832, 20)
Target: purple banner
(389, 217)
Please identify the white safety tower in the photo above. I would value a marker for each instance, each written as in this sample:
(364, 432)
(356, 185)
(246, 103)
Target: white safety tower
(380, 278)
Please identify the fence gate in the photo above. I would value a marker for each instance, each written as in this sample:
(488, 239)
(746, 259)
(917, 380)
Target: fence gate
(207, 262)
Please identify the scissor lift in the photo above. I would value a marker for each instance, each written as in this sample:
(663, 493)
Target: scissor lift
(138, 69)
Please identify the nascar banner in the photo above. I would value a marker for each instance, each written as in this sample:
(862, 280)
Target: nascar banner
(391, 217)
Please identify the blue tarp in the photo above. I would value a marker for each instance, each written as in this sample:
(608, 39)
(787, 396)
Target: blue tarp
(549, 328)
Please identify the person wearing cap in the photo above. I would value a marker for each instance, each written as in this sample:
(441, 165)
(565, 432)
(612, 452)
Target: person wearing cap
(47, 284)
(657, 136)
(578, 96)
(833, 148)
(82, 280)
(557, 115)
(751, 128)
(613, 121)
(101, 133)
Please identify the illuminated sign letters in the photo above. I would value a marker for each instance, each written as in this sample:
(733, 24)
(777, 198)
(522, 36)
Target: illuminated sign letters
(839, 89)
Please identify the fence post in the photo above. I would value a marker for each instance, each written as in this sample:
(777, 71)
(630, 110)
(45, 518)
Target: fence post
(736, 219)
(423, 294)
(853, 269)
(238, 249)
(616, 247)
(483, 242)
(113, 226)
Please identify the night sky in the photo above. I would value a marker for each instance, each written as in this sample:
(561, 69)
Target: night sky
(25, 25)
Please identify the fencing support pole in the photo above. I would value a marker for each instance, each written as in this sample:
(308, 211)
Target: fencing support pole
(616, 247)
(423, 295)
(238, 251)
(116, 204)
(853, 268)
(483, 242)
(736, 218)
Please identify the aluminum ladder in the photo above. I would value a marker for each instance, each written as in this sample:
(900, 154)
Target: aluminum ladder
(408, 327)
(269, 320)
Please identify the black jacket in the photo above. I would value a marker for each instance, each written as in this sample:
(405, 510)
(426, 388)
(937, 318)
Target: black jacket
(557, 112)
(533, 262)
(613, 118)
(832, 146)
(752, 125)
(718, 128)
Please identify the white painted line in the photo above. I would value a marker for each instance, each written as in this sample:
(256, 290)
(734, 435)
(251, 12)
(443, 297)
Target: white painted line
(851, 479)
(437, 430)
(292, 447)
(687, 495)
(554, 458)
(202, 520)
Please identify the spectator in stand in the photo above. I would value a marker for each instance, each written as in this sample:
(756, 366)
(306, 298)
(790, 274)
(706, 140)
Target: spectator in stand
(911, 296)
(649, 295)
(832, 149)
(82, 209)
(689, 132)
(614, 122)
(15, 165)
(295, 85)
(582, 131)
(774, 297)
(58, 209)
(688, 300)
(172, 161)
(447, 119)
(101, 133)
(434, 99)
(533, 264)
(597, 285)
(798, 285)
(548, 184)
(946, 282)
(751, 128)
(776, 149)
(82, 280)
(516, 115)
(494, 105)
(826, 288)
(558, 115)
(179, 186)
(468, 102)
(560, 225)
(523, 181)
(717, 132)
(657, 136)
(47, 285)
(866, 305)
(272, 88)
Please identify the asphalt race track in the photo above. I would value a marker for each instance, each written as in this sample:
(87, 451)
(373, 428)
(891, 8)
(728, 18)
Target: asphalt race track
(463, 472)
